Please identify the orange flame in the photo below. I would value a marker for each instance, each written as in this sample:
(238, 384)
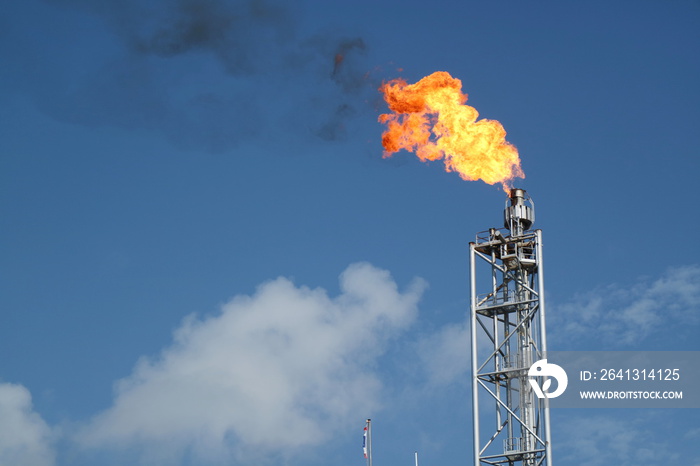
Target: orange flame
(431, 119)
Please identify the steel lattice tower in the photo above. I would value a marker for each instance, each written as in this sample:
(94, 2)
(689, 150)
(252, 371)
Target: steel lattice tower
(508, 335)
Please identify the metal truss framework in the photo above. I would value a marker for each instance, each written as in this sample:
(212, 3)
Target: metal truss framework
(508, 335)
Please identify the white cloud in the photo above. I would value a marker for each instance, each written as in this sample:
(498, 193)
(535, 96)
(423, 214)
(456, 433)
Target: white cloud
(445, 354)
(625, 315)
(282, 369)
(25, 439)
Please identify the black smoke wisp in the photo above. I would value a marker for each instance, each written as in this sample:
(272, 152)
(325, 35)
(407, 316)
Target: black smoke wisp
(207, 72)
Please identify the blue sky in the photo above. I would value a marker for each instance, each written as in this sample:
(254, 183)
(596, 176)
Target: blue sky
(206, 260)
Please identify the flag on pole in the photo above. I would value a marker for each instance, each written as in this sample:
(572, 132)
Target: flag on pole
(367, 442)
(364, 442)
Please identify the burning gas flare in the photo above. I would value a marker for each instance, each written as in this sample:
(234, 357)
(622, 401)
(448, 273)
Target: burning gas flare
(431, 119)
